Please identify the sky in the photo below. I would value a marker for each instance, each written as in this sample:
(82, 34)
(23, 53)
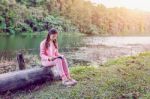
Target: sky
(131, 4)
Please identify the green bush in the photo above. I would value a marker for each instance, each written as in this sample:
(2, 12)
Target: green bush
(60, 23)
(23, 27)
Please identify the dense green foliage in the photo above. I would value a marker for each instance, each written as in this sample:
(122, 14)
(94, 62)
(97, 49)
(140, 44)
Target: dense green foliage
(22, 16)
(18, 16)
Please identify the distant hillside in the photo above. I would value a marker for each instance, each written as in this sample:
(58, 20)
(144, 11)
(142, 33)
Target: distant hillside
(28, 16)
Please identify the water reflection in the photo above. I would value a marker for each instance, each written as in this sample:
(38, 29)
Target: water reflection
(78, 49)
(11, 45)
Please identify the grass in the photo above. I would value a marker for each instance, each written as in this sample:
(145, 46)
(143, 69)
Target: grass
(123, 78)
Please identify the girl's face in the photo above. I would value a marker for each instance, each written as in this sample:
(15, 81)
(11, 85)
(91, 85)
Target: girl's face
(53, 36)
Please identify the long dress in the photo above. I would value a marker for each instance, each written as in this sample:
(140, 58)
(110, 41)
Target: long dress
(61, 64)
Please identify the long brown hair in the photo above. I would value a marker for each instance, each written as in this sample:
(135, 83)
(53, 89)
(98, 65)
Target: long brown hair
(50, 32)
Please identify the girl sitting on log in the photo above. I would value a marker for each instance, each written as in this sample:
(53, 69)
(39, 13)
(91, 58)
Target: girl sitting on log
(51, 57)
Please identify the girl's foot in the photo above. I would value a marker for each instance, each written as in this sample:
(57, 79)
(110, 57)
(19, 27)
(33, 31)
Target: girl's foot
(67, 83)
(73, 80)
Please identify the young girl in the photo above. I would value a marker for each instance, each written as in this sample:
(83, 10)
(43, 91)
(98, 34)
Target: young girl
(51, 57)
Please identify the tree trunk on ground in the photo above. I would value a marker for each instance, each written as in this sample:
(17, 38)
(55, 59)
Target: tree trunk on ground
(22, 78)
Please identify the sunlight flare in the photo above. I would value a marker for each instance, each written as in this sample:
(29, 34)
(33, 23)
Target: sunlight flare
(131, 4)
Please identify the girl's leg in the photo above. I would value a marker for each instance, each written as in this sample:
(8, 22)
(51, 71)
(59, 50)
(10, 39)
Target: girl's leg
(65, 67)
(62, 66)
(66, 70)
(58, 64)
(59, 67)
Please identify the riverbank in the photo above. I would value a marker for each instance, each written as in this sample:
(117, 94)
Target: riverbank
(124, 78)
(79, 50)
(98, 50)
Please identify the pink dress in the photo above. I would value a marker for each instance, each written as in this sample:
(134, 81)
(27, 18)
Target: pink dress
(61, 64)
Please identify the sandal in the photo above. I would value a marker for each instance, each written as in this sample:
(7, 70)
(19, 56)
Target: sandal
(73, 80)
(67, 83)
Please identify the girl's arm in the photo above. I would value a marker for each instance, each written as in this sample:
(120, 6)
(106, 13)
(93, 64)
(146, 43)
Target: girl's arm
(43, 51)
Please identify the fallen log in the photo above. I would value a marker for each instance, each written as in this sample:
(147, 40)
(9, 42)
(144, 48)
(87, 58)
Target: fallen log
(22, 78)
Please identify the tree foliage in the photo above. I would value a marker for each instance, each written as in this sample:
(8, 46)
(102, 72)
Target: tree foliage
(18, 16)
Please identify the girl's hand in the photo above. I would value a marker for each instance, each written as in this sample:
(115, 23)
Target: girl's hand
(61, 55)
(52, 58)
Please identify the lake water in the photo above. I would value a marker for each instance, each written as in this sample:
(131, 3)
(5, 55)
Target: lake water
(117, 41)
(88, 49)
(11, 45)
